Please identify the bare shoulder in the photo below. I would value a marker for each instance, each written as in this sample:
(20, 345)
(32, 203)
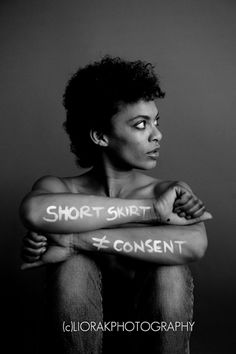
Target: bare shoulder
(79, 184)
(148, 187)
(151, 187)
(49, 184)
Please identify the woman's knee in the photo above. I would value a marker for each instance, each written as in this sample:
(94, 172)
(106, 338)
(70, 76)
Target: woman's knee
(174, 291)
(76, 279)
(74, 296)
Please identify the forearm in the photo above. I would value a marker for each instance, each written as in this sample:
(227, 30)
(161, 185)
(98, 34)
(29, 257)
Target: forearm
(75, 213)
(166, 245)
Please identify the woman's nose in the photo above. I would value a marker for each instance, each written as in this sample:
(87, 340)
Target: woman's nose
(155, 134)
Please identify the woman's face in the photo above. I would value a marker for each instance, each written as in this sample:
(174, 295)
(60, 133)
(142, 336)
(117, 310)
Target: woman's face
(134, 137)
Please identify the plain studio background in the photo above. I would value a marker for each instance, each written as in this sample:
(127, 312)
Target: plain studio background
(193, 45)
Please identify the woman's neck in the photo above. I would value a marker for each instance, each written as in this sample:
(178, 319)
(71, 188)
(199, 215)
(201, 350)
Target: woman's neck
(116, 182)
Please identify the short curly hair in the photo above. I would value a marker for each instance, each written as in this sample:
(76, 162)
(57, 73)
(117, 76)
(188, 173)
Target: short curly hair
(94, 94)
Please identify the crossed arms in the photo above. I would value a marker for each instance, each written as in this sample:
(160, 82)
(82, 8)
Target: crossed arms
(145, 229)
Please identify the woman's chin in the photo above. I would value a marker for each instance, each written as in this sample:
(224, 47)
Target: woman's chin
(147, 165)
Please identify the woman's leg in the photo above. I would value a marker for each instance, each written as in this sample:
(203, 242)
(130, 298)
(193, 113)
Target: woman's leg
(117, 305)
(74, 296)
(164, 294)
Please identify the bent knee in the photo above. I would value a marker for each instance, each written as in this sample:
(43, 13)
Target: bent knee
(172, 278)
(174, 289)
(76, 278)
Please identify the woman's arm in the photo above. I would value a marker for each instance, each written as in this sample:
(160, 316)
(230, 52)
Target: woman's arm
(166, 245)
(51, 208)
(169, 245)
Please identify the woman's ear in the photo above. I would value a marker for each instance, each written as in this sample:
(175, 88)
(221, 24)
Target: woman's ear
(98, 138)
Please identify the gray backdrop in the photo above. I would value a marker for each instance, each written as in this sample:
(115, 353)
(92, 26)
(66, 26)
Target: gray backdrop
(193, 45)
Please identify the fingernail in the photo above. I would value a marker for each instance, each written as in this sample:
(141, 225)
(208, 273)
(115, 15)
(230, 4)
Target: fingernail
(43, 250)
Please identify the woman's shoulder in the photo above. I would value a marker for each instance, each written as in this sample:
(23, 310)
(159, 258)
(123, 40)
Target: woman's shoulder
(143, 186)
(149, 187)
(75, 184)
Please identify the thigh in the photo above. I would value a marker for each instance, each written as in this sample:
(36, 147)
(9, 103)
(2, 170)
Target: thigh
(164, 295)
(165, 290)
(79, 276)
(118, 294)
(74, 295)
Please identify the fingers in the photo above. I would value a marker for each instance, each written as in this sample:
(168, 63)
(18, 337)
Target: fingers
(36, 237)
(34, 252)
(183, 199)
(26, 265)
(31, 255)
(193, 208)
(34, 240)
(206, 216)
(192, 205)
(34, 245)
(30, 259)
(198, 212)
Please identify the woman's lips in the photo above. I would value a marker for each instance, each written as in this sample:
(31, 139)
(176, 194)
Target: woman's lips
(154, 150)
(154, 153)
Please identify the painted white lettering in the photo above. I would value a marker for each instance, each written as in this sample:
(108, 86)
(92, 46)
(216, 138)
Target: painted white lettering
(170, 246)
(180, 243)
(115, 245)
(111, 210)
(120, 212)
(156, 247)
(149, 247)
(144, 209)
(64, 212)
(100, 242)
(97, 210)
(50, 212)
(139, 247)
(70, 213)
(85, 211)
(127, 210)
(134, 210)
(128, 247)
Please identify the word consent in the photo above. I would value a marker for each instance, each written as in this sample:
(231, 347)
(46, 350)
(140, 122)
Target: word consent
(55, 213)
(149, 245)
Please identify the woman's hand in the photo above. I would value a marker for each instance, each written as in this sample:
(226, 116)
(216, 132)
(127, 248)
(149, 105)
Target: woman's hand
(179, 206)
(39, 249)
(188, 205)
(33, 246)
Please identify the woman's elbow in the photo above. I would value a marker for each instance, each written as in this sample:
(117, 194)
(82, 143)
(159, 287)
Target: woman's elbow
(27, 213)
(200, 242)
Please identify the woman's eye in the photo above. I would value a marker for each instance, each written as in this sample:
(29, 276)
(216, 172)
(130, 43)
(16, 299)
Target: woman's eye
(141, 125)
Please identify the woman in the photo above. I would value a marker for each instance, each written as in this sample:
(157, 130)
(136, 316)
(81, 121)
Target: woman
(119, 239)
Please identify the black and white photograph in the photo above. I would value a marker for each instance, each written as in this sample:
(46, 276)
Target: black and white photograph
(118, 180)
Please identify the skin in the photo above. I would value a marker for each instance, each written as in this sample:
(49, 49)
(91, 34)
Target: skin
(133, 135)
